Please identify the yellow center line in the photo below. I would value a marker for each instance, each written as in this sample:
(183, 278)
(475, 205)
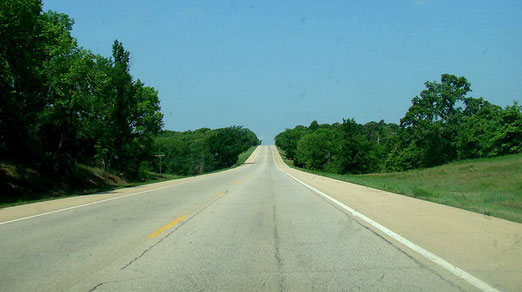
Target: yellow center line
(220, 193)
(159, 231)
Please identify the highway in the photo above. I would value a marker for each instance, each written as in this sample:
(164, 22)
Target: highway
(252, 228)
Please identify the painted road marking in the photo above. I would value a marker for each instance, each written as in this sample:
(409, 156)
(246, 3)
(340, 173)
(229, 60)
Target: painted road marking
(92, 203)
(237, 182)
(110, 199)
(427, 254)
(220, 193)
(159, 231)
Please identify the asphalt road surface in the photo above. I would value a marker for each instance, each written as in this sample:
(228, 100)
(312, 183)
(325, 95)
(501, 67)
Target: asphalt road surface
(252, 228)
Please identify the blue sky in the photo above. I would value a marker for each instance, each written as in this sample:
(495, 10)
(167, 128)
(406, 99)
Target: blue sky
(270, 65)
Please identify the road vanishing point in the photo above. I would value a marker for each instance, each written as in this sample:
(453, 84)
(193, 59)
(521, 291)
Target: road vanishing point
(259, 227)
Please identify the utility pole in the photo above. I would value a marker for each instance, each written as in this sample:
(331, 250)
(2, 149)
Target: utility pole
(160, 155)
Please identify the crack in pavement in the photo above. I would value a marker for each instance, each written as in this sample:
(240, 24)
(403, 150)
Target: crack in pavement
(96, 287)
(116, 281)
(162, 239)
(179, 226)
(277, 253)
(172, 231)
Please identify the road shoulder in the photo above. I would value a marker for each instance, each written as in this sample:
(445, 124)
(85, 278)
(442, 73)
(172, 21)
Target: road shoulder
(21, 212)
(487, 247)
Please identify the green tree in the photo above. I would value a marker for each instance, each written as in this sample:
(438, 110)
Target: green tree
(508, 139)
(226, 144)
(480, 122)
(123, 102)
(314, 126)
(355, 153)
(287, 140)
(315, 150)
(202, 150)
(66, 88)
(22, 78)
(128, 113)
(430, 125)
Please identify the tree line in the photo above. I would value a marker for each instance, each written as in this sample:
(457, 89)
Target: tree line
(443, 124)
(62, 105)
(202, 150)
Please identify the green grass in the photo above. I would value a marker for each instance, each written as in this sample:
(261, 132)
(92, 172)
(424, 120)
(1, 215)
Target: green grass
(491, 186)
(244, 156)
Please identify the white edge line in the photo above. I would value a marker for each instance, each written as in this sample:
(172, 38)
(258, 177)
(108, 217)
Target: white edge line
(96, 202)
(427, 254)
(88, 204)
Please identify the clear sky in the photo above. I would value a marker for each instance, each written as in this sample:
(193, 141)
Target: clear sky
(270, 65)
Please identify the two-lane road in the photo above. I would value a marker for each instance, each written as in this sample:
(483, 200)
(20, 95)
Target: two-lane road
(251, 228)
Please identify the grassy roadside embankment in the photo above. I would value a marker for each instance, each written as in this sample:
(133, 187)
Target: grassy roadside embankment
(491, 186)
(21, 185)
(244, 156)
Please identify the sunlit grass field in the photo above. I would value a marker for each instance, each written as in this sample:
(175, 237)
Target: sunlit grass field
(491, 186)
